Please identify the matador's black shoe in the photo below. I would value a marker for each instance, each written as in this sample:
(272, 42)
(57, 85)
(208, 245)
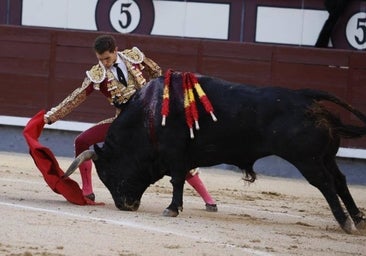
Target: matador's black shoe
(211, 207)
(91, 197)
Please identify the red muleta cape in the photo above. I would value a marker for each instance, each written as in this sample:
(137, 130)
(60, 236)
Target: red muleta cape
(48, 165)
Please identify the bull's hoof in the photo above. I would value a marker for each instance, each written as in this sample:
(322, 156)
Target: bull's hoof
(170, 213)
(349, 226)
(361, 225)
(211, 207)
(360, 221)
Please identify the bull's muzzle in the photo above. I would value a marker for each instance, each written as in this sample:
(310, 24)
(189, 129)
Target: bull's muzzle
(126, 206)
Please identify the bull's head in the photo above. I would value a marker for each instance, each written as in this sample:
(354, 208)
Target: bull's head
(122, 181)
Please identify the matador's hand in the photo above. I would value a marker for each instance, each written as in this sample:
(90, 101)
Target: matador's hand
(46, 121)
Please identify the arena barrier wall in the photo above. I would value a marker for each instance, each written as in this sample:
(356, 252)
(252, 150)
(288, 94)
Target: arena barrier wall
(39, 67)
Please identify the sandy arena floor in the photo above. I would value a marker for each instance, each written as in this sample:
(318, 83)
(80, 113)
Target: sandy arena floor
(273, 216)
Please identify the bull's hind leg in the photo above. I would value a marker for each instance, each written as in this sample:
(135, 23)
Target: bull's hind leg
(358, 217)
(317, 175)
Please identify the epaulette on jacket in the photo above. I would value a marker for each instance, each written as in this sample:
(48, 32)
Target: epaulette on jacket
(135, 58)
(97, 73)
(134, 55)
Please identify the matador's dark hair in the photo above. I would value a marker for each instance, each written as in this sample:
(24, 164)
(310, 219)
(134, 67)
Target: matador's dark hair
(104, 43)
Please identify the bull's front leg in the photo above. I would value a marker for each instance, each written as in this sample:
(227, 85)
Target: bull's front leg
(177, 201)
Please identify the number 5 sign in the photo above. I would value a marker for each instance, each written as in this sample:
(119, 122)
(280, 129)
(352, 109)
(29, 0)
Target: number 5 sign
(356, 31)
(125, 16)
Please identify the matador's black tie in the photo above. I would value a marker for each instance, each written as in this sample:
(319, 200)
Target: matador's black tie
(121, 76)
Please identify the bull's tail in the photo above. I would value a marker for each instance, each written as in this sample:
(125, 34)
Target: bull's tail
(344, 130)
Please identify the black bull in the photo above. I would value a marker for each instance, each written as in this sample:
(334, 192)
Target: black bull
(251, 123)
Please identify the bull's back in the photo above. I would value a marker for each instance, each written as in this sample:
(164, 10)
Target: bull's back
(250, 120)
(263, 120)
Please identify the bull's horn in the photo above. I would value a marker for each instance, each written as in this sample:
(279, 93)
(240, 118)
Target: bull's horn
(84, 156)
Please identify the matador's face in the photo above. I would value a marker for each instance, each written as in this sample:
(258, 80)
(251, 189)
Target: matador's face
(107, 58)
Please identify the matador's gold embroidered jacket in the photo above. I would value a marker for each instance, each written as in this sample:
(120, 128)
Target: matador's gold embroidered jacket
(99, 78)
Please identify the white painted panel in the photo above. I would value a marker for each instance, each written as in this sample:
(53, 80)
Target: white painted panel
(81, 14)
(45, 13)
(313, 23)
(169, 18)
(207, 20)
(289, 25)
(190, 19)
(59, 13)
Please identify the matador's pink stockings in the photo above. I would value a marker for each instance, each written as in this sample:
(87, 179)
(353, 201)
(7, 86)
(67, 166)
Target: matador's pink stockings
(198, 185)
(86, 177)
(84, 141)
